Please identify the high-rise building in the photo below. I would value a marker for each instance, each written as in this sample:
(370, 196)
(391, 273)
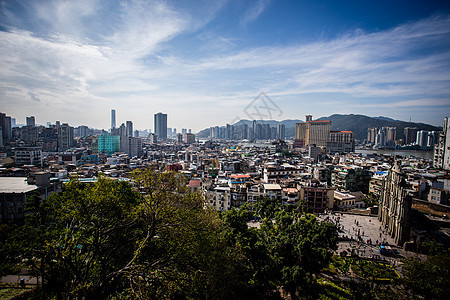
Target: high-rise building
(341, 142)
(123, 130)
(410, 135)
(391, 134)
(83, 131)
(108, 144)
(433, 138)
(313, 132)
(372, 135)
(317, 133)
(129, 128)
(183, 131)
(113, 118)
(29, 134)
(5, 124)
(189, 138)
(161, 125)
(281, 131)
(65, 137)
(31, 121)
(131, 146)
(380, 139)
(300, 134)
(422, 138)
(228, 131)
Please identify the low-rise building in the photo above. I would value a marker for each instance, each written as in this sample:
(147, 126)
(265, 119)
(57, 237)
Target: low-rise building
(28, 156)
(219, 198)
(14, 192)
(316, 197)
(344, 201)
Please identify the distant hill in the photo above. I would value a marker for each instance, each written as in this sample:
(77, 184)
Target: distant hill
(360, 123)
(356, 123)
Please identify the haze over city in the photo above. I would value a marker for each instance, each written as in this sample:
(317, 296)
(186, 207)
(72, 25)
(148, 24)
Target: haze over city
(203, 62)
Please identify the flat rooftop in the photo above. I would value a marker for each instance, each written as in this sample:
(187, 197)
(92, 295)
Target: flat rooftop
(9, 185)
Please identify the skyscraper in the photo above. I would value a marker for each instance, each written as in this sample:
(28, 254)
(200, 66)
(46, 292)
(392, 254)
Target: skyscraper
(281, 129)
(410, 135)
(113, 118)
(129, 128)
(391, 134)
(161, 125)
(371, 135)
(422, 138)
(5, 124)
(65, 137)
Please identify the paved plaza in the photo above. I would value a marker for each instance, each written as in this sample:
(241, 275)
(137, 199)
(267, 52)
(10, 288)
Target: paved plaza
(363, 234)
(359, 227)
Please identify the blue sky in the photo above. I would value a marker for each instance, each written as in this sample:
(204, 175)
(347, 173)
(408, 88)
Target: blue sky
(203, 62)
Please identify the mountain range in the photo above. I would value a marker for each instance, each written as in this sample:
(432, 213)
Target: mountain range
(356, 123)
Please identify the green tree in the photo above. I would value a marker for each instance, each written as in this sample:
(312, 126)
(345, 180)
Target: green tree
(80, 239)
(254, 266)
(148, 239)
(266, 207)
(430, 278)
(300, 246)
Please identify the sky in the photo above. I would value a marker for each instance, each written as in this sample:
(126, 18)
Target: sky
(207, 63)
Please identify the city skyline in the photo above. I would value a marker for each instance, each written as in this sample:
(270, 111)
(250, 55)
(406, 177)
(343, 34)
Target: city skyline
(203, 64)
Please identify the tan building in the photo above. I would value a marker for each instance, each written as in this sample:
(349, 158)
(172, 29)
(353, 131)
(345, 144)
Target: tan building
(313, 132)
(344, 201)
(391, 134)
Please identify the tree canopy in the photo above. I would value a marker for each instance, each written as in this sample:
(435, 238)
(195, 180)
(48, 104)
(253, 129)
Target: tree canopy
(151, 237)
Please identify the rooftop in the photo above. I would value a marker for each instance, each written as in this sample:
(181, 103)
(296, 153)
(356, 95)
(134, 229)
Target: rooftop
(269, 186)
(9, 185)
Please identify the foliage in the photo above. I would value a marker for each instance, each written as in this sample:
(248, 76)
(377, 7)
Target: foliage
(375, 270)
(299, 246)
(266, 207)
(428, 279)
(152, 238)
(329, 290)
(11, 293)
(10, 264)
(256, 268)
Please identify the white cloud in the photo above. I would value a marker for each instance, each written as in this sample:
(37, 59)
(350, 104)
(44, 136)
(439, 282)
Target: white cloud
(255, 11)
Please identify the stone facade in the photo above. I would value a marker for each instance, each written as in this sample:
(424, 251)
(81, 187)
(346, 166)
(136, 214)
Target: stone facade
(395, 205)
